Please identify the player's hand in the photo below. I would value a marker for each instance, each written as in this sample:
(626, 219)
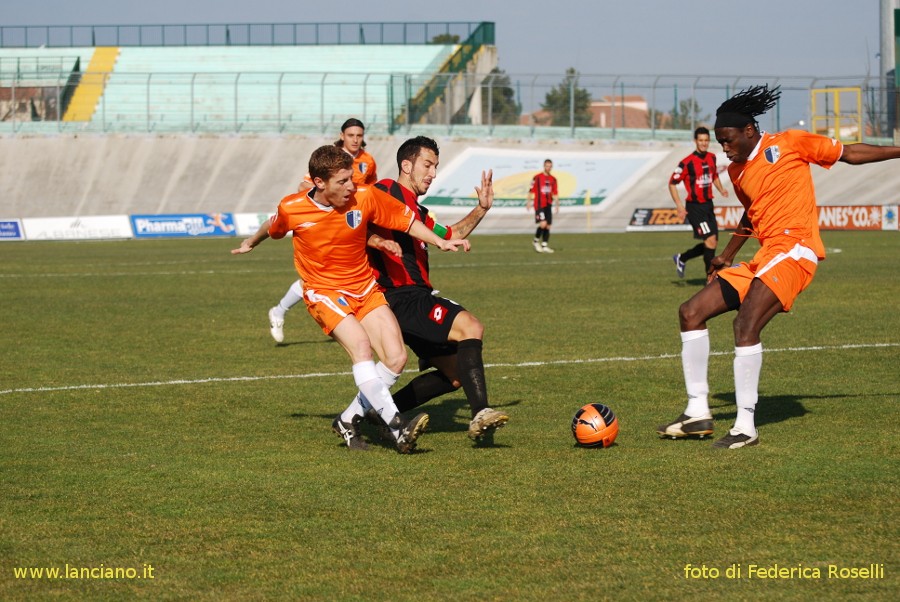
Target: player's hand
(389, 246)
(485, 193)
(681, 213)
(245, 247)
(717, 264)
(454, 244)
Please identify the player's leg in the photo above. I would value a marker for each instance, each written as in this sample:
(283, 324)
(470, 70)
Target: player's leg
(760, 305)
(468, 331)
(353, 338)
(292, 297)
(714, 299)
(387, 341)
(548, 221)
(427, 385)
(780, 276)
(539, 233)
(710, 231)
(709, 250)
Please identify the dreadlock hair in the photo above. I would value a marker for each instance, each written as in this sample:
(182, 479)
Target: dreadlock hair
(743, 108)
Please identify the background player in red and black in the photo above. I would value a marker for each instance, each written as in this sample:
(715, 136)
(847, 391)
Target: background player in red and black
(440, 332)
(543, 195)
(698, 172)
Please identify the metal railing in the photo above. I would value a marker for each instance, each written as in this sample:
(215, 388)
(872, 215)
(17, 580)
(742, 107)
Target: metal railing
(233, 34)
(623, 106)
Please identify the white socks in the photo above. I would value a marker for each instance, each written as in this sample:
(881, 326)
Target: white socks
(368, 377)
(747, 365)
(292, 297)
(695, 362)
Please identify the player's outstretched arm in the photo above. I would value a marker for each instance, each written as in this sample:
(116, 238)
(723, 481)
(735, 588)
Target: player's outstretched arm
(423, 233)
(248, 244)
(485, 194)
(858, 154)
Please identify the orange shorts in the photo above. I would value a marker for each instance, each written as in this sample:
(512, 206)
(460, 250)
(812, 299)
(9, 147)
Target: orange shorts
(786, 271)
(329, 307)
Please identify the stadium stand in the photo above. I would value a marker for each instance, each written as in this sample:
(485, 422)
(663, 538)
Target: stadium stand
(157, 129)
(305, 89)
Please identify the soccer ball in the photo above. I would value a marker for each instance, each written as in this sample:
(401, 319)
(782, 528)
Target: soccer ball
(595, 425)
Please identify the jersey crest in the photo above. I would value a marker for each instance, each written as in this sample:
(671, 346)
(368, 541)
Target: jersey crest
(354, 218)
(772, 154)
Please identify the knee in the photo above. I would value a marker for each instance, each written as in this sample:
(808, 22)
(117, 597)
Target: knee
(688, 317)
(469, 327)
(395, 360)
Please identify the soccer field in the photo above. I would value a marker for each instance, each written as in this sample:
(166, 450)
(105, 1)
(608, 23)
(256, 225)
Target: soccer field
(156, 443)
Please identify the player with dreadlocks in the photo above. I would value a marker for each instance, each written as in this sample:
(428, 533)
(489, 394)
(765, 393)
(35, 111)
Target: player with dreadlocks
(772, 179)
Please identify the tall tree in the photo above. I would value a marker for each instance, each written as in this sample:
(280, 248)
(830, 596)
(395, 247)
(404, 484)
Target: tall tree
(497, 89)
(445, 38)
(686, 113)
(558, 102)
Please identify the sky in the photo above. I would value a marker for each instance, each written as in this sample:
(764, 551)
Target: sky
(710, 37)
(818, 38)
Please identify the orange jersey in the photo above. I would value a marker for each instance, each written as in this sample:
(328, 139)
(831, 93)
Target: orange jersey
(775, 186)
(329, 243)
(364, 174)
(364, 171)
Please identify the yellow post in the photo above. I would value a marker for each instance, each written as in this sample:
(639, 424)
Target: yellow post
(587, 206)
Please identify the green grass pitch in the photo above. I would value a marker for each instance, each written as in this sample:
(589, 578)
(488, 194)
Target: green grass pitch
(147, 420)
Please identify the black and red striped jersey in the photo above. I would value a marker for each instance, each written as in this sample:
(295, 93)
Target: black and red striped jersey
(544, 188)
(412, 268)
(698, 172)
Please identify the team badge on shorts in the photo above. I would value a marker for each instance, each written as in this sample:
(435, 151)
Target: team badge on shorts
(438, 313)
(772, 154)
(354, 218)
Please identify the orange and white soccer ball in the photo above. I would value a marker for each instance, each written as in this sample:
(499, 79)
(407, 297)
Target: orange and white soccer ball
(595, 425)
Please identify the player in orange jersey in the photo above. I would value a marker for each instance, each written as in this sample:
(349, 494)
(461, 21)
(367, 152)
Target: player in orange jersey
(772, 179)
(330, 228)
(353, 142)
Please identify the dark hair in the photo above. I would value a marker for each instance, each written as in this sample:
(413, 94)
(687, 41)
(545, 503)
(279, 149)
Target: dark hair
(327, 161)
(410, 149)
(701, 130)
(351, 123)
(744, 107)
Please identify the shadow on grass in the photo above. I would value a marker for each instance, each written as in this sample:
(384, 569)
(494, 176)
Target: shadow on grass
(769, 409)
(441, 419)
(697, 283)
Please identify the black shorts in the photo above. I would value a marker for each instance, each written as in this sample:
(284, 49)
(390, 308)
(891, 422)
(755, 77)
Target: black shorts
(425, 319)
(702, 218)
(544, 215)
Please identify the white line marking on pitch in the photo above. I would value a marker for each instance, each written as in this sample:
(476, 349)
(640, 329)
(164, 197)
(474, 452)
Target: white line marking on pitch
(600, 360)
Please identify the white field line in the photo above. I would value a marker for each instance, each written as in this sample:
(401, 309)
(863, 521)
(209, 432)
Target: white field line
(602, 360)
(245, 270)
